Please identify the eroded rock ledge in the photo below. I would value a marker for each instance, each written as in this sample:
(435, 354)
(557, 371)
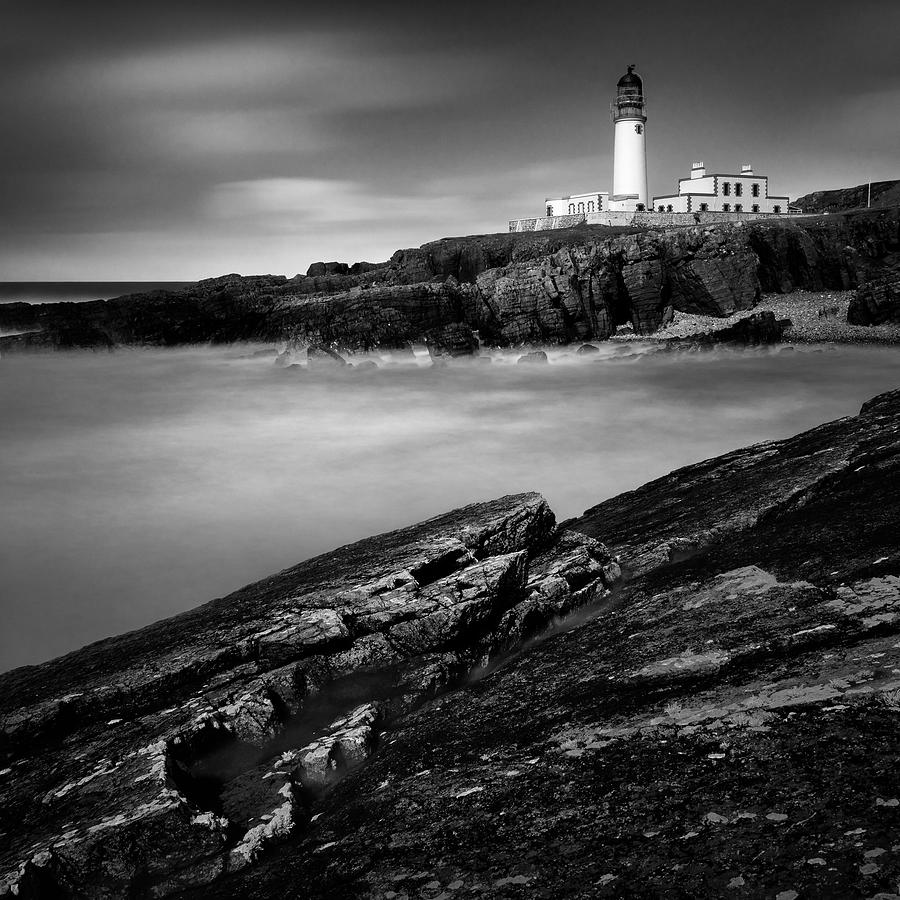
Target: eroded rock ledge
(169, 756)
(726, 726)
(725, 720)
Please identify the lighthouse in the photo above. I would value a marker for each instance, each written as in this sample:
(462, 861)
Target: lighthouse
(722, 196)
(630, 156)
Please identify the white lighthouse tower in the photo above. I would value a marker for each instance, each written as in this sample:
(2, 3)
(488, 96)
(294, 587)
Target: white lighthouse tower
(630, 156)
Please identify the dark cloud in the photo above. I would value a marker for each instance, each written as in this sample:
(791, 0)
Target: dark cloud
(131, 128)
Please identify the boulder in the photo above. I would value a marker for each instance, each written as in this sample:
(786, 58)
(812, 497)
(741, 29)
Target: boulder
(319, 356)
(455, 339)
(750, 331)
(877, 302)
(318, 269)
(533, 356)
(360, 268)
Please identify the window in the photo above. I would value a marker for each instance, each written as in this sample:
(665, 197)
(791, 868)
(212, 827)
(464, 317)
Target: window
(599, 203)
(754, 190)
(726, 207)
(669, 208)
(738, 189)
(581, 207)
(776, 209)
(738, 207)
(726, 188)
(590, 205)
(704, 207)
(661, 208)
(549, 210)
(641, 207)
(755, 207)
(571, 209)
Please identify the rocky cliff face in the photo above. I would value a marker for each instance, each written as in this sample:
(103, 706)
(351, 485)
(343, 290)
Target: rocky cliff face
(876, 302)
(724, 719)
(549, 287)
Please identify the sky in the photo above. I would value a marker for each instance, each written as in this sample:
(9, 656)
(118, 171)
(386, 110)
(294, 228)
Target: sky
(176, 140)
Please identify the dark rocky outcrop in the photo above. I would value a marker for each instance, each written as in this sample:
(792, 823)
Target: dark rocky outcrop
(877, 302)
(317, 269)
(721, 722)
(816, 255)
(532, 357)
(324, 356)
(753, 330)
(554, 287)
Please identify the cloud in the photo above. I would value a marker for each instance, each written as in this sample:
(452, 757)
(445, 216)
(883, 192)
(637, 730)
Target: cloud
(322, 72)
(192, 136)
(287, 201)
(179, 138)
(279, 204)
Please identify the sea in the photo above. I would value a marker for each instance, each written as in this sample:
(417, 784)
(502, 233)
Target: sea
(141, 483)
(78, 291)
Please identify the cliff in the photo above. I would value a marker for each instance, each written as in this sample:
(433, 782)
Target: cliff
(721, 717)
(542, 287)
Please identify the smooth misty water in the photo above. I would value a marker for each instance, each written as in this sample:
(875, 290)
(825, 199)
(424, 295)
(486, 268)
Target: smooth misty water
(138, 484)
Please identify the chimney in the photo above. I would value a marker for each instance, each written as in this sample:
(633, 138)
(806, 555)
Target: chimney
(698, 170)
(746, 169)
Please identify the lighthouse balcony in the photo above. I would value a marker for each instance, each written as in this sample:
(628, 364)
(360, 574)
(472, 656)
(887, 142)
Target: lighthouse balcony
(629, 109)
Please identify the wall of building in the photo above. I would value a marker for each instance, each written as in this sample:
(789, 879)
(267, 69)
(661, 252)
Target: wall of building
(544, 223)
(704, 185)
(710, 190)
(577, 203)
(638, 219)
(744, 184)
(675, 203)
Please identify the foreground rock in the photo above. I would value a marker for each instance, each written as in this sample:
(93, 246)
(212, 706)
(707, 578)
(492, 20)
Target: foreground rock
(725, 726)
(170, 756)
(553, 287)
(726, 721)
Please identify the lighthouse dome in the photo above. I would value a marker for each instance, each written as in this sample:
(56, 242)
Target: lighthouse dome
(630, 83)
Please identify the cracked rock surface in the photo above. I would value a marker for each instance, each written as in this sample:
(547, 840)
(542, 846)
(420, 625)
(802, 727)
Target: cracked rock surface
(725, 725)
(394, 719)
(170, 756)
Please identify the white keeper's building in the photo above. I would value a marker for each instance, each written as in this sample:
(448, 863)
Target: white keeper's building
(721, 192)
(577, 204)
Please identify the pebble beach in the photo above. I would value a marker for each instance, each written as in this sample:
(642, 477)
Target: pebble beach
(817, 317)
